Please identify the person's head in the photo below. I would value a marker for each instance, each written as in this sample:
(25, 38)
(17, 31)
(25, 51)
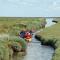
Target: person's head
(28, 33)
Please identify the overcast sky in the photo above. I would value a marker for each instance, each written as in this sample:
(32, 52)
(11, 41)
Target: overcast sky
(30, 8)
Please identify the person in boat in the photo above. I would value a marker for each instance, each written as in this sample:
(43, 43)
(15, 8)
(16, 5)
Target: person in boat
(22, 34)
(31, 32)
(28, 36)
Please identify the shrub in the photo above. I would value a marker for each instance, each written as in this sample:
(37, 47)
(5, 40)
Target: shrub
(21, 41)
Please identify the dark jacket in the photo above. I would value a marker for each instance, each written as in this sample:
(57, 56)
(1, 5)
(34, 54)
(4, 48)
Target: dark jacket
(22, 34)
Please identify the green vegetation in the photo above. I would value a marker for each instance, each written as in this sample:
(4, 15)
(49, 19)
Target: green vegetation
(12, 26)
(20, 41)
(6, 47)
(51, 36)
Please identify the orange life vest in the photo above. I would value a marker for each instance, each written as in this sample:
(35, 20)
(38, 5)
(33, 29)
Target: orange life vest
(28, 35)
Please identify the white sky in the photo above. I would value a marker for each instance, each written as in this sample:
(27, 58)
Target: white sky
(30, 8)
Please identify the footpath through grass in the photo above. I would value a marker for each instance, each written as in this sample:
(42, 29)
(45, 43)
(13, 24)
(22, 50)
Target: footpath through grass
(51, 36)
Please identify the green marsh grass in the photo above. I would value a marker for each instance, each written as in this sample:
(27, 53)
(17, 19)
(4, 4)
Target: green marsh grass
(51, 36)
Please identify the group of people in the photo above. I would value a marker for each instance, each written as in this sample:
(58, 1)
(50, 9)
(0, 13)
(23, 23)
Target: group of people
(26, 34)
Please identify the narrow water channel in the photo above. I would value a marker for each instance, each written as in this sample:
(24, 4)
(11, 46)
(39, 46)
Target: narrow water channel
(49, 22)
(36, 51)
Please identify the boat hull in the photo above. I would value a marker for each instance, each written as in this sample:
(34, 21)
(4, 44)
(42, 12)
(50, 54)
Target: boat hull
(28, 40)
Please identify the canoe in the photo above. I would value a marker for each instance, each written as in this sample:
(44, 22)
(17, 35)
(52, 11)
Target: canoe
(28, 39)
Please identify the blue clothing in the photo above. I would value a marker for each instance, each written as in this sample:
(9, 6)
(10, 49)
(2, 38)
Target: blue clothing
(22, 34)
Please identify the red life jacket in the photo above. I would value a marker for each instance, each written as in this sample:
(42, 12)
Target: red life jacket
(28, 35)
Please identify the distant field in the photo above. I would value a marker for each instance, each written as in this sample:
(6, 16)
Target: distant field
(15, 24)
(51, 36)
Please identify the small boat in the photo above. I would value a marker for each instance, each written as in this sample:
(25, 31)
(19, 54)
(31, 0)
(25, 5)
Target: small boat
(28, 39)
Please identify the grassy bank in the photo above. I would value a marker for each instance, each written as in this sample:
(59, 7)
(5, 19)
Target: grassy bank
(51, 36)
(7, 50)
(12, 26)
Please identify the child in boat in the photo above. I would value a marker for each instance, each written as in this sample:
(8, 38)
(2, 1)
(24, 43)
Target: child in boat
(22, 34)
